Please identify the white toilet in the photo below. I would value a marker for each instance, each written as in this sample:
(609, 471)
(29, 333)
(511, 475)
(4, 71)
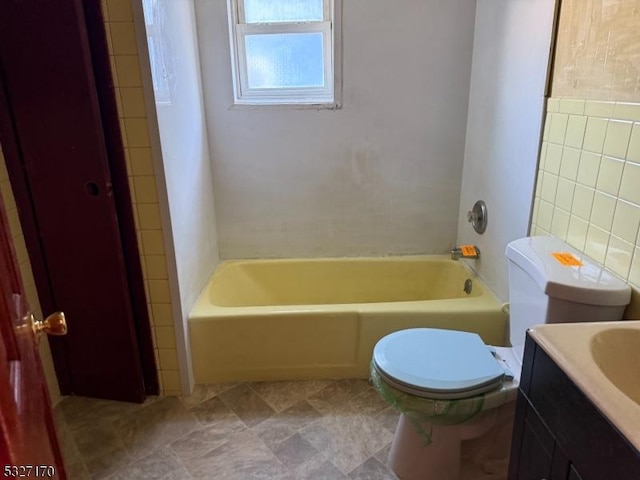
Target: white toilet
(449, 384)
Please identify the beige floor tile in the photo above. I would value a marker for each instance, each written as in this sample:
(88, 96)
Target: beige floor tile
(282, 395)
(247, 405)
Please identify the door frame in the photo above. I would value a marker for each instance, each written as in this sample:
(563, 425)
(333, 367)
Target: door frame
(98, 47)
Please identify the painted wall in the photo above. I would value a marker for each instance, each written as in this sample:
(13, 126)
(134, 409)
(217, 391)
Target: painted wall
(185, 160)
(379, 176)
(598, 51)
(510, 58)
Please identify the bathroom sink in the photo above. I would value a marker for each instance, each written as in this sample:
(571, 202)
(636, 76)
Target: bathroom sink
(616, 352)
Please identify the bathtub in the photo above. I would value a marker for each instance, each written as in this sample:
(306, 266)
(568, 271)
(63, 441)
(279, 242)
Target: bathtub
(320, 318)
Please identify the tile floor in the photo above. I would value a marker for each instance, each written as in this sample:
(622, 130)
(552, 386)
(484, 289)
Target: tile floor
(316, 430)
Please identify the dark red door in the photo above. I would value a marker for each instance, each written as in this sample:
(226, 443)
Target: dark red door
(55, 123)
(28, 445)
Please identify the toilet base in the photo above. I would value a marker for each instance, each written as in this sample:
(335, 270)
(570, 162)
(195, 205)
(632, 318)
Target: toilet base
(411, 459)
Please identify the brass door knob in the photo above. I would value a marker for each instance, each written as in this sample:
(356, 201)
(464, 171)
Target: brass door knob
(54, 324)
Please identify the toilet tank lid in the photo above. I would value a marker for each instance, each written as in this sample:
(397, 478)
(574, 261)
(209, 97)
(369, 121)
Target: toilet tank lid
(563, 272)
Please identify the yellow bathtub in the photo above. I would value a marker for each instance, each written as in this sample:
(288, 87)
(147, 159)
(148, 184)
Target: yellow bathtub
(320, 318)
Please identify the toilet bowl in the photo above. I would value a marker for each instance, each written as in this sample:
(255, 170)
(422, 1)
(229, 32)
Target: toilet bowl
(449, 386)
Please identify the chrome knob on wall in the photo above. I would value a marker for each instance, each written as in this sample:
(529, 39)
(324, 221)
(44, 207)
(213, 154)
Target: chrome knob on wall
(477, 216)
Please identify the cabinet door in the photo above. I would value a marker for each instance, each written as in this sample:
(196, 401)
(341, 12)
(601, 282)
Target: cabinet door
(536, 452)
(573, 474)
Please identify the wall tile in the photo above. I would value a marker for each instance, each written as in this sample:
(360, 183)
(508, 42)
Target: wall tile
(545, 215)
(589, 168)
(599, 213)
(599, 109)
(577, 233)
(159, 291)
(549, 187)
(610, 175)
(543, 155)
(582, 202)
(560, 223)
(156, 267)
(119, 11)
(145, 187)
(626, 221)
(128, 70)
(558, 127)
(627, 111)
(152, 242)
(553, 159)
(534, 213)
(547, 125)
(168, 358)
(604, 207)
(141, 161)
(149, 216)
(165, 337)
(553, 105)
(633, 153)
(564, 194)
(597, 243)
(123, 38)
(171, 380)
(595, 134)
(570, 162)
(630, 187)
(619, 254)
(575, 131)
(568, 105)
(634, 273)
(136, 132)
(617, 138)
(162, 314)
(132, 102)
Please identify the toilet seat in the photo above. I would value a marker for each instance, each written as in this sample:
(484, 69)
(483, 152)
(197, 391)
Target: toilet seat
(438, 364)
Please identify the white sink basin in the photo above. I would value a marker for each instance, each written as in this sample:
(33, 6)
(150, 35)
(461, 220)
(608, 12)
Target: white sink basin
(616, 351)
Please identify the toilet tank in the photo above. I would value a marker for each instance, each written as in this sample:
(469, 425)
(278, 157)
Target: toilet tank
(550, 282)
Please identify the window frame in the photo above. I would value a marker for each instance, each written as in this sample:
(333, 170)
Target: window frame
(327, 96)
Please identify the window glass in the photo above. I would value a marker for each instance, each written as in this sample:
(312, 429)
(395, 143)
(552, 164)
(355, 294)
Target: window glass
(263, 11)
(285, 60)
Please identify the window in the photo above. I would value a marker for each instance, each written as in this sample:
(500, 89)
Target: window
(159, 58)
(283, 51)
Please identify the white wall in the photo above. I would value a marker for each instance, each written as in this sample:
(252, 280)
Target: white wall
(187, 168)
(510, 58)
(381, 175)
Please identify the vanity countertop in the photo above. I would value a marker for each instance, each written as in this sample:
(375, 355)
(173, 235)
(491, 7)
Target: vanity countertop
(603, 360)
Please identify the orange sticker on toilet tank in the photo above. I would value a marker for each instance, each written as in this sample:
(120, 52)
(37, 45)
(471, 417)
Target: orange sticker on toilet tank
(468, 250)
(567, 259)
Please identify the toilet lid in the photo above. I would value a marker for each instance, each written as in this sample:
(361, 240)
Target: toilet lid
(437, 363)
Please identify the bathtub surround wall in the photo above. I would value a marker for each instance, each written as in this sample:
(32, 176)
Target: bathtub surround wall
(182, 153)
(379, 176)
(509, 72)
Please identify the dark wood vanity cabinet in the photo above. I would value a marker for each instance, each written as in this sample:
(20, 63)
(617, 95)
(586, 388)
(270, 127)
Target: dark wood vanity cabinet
(559, 434)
